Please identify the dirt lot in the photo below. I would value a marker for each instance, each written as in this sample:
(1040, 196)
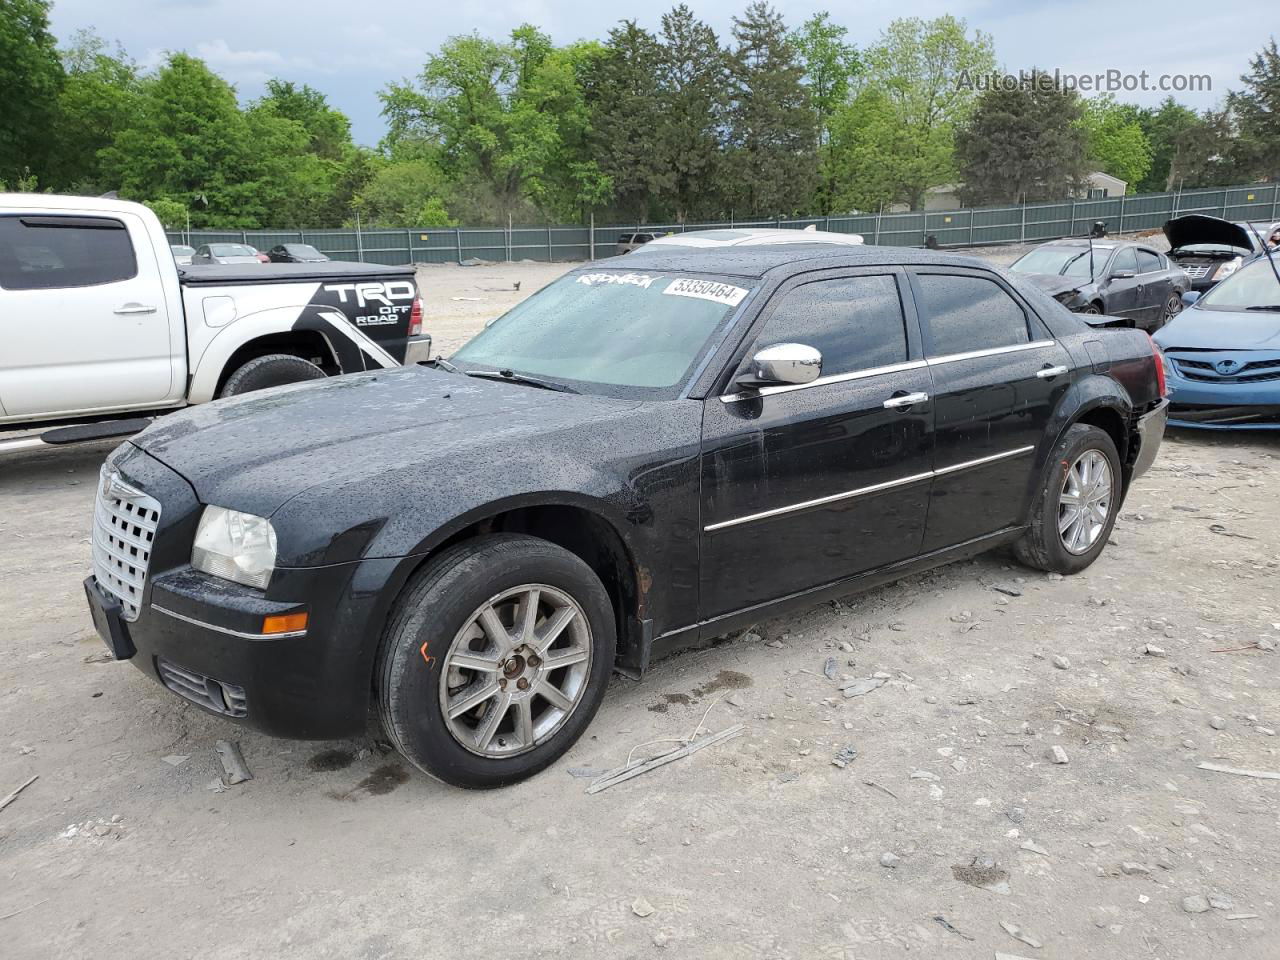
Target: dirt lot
(950, 820)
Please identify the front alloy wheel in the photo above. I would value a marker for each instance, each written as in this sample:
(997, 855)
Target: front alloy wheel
(516, 672)
(1084, 504)
(494, 659)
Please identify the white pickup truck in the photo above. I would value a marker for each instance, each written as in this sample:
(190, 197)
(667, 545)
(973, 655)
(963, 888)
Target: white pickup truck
(97, 321)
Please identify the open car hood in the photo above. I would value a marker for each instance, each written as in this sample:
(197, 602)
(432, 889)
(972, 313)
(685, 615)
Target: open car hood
(1197, 228)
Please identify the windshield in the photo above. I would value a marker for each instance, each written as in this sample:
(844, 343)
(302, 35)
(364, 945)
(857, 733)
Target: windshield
(231, 250)
(1067, 261)
(620, 333)
(1253, 285)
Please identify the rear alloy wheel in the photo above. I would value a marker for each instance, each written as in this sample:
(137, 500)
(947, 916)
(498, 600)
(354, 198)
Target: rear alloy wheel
(495, 659)
(1072, 516)
(1172, 307)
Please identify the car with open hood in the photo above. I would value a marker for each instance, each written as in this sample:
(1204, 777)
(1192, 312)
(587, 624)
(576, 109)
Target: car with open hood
(644, 454)
(1223, 353)
(1130, 281)
(1211, 249)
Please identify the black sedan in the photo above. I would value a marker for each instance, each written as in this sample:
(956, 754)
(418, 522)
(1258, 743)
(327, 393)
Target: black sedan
(632, 459)
(1118, 278)
(296, 253)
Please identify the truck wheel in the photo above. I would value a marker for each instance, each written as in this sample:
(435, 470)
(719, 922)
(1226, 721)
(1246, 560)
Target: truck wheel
(1072, 516)
(495, 658)
(273, 370)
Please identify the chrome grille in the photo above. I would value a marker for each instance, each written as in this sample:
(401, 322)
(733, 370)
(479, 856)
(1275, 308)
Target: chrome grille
(1198, 271)
(1253, 371)
(124, 527)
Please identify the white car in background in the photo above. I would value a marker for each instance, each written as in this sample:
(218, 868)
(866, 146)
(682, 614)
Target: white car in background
(226, 253)
(182, 254)
(732, 237)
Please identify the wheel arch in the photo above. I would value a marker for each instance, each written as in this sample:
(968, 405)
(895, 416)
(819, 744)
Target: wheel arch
(577, 523)
(1100, 402)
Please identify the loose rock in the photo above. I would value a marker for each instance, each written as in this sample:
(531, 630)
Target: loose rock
(1013, 930)
(1057, 754)
(1151, 650)
(643, 908)
(1062, 663)
(889, 860)
(1217, 723)
(1195, 904)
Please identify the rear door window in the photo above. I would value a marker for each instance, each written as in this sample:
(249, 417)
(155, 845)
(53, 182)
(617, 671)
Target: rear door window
(965, 313)
(1126, 259)
(856, 323)
(1149, 261)
(51, 252)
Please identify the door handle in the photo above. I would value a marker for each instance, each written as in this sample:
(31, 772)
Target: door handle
(1048, 373)
(129, 309)
(906, 400)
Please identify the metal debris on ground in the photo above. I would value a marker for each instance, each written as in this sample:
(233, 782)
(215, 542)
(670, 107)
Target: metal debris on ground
(232, 762)
(1222, 531)
(830, 669)
(14, 795)
(1239, 772)
(861, 687)
(688, 745)
(947, 925)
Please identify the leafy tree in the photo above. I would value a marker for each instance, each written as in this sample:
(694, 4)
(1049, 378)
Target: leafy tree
(30, 77)
(692, 78)
(1257, 111)
(626, 114)
(171, 214)
(830, 63)
(407, 193)
(772, 129)
(97, 101)
(328, 130)
(1168, 128)
(920, 68)
(865, 136)
(1117, 143)
(1023, 144)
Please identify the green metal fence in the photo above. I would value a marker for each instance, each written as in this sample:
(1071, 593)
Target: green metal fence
(977, 226)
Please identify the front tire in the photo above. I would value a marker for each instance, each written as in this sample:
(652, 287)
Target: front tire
(1074, 513)
(273, 370)
(495, 659)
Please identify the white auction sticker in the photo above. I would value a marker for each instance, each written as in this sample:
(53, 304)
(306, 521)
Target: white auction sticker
(630, 279)
(712, 290)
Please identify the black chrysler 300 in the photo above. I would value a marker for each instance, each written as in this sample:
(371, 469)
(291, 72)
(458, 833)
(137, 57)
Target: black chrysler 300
(635, 457)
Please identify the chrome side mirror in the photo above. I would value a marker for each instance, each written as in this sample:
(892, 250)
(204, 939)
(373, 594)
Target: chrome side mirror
(783, 363)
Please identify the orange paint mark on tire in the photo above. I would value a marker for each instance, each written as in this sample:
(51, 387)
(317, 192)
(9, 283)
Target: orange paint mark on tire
(426, 657)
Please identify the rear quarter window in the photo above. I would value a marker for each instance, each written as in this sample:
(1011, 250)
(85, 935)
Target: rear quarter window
(49, 252)
(965, 313)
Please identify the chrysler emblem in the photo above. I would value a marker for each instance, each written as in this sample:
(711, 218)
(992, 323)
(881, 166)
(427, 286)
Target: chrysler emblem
(1227, 367)
(113, 488)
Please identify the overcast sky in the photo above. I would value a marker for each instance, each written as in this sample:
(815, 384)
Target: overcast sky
(351, 49)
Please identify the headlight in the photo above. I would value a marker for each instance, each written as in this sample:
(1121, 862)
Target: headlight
(1228, 268)
(235, 546)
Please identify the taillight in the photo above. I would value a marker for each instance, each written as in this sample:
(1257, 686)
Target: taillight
(415, 317)
(1158, 357)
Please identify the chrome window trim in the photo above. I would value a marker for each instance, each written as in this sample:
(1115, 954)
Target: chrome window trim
(863, 491)
(990, 352)
(823, 381)
(227, 630)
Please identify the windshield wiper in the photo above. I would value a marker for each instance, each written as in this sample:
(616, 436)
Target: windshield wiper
(442, 362)
(513, 377)
(1265, 306)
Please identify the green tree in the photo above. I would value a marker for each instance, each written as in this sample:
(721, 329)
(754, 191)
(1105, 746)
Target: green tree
(1117, 143)
(1168, 128)
(925, 70)
(866, 138)
(771, 165)
(1023, 144)
(1257, 113)
(405, 193)
(30, 78)
(328, 130)
(97, 101)
(171, 214)
(626, 117)
(693, 80)
(830, 63)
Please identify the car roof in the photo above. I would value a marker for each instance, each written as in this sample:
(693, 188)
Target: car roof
(756, 261)
(733, 237)
(1083, 242)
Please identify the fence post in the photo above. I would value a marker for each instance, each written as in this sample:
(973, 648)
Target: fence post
(549, 259)
(457, 242)
(1022, 229)
(591, 237)
(1275, 195)
(359, 240)
(1071, 231)
(408, 236)
(971, 226)
(1121, 230)
(244, 237)
(875, 240)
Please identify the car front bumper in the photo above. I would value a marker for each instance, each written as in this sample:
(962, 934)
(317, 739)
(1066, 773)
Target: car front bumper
(1204, 405)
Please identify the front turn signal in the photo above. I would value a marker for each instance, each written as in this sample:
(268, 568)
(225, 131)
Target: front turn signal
(284, 623)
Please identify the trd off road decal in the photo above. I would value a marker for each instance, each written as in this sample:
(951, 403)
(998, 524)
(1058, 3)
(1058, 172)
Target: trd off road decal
(365, 321)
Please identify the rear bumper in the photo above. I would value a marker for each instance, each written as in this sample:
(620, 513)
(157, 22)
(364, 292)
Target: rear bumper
(1150, 433)
(417, 350)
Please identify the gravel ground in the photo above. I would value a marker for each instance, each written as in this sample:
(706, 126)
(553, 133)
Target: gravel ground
(951, 820)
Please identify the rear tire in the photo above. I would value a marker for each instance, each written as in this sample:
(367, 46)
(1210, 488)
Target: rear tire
(1072, 516)
(273, 370)
(464, 690)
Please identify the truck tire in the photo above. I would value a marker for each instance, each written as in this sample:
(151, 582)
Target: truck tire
(1072, 515)
(473, 691)
(273, 370)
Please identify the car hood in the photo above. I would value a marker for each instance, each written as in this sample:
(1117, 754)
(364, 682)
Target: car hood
(256, 452)
(1199, 329)
(1055, 284)
(1197, 228)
